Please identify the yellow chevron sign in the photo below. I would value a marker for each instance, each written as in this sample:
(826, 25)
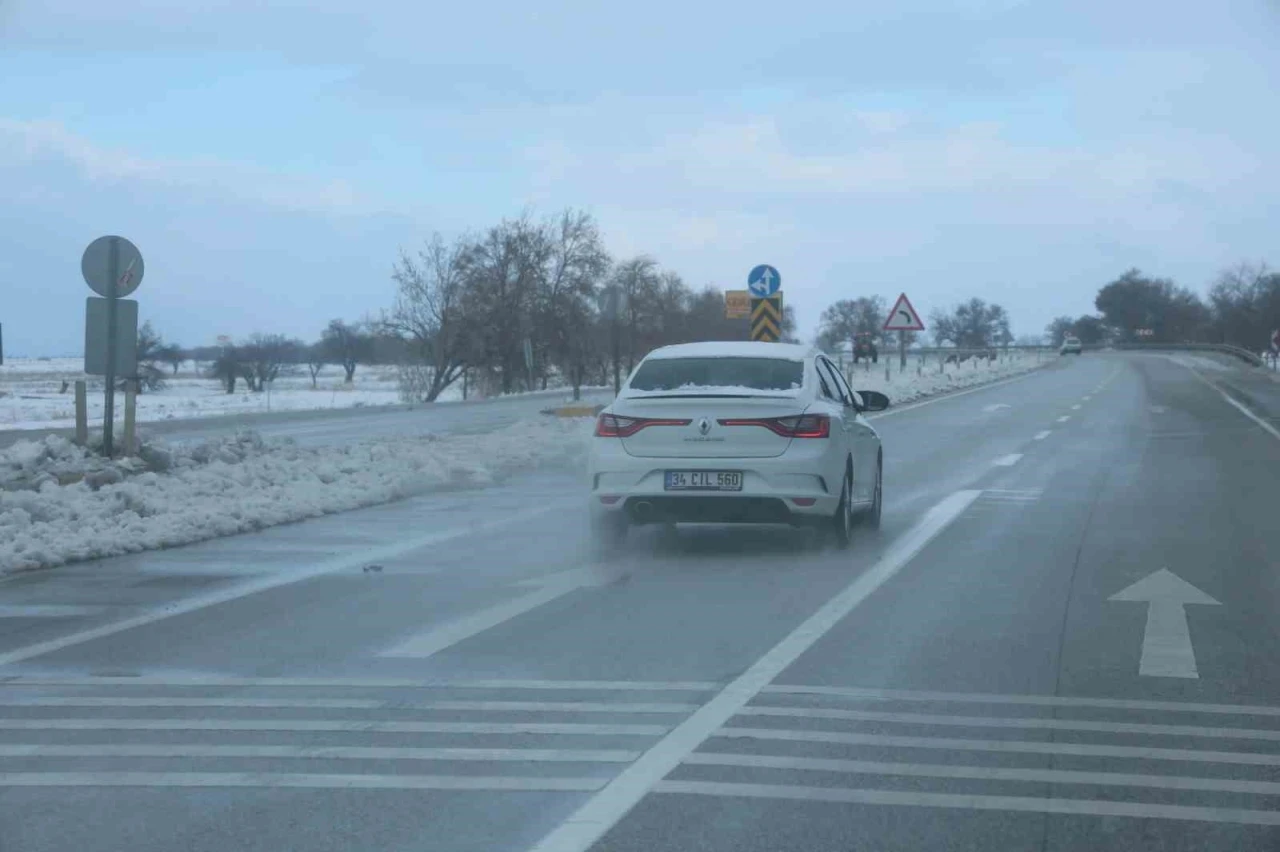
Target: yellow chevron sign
(766, 319)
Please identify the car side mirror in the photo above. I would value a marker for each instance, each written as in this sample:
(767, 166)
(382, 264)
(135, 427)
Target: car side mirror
(873, 400)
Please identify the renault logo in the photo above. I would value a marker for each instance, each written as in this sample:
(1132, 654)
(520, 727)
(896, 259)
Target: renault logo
(704, 426)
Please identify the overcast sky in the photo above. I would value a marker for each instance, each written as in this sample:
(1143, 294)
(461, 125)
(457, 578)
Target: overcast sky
(270, 159)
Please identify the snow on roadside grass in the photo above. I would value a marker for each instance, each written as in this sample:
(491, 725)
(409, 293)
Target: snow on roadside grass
(921, 380)
(238, 485)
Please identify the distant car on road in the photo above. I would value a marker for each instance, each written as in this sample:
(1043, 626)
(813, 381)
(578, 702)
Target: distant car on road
(1071, 346)
(736, 433)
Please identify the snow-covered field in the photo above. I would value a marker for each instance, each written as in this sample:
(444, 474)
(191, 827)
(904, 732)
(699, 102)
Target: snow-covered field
(32, 394)
(60, 503)
(926, 379)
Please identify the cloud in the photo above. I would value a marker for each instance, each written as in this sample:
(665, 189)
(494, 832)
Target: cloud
(22, 140)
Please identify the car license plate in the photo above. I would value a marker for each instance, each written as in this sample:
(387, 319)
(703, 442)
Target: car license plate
(704, 480)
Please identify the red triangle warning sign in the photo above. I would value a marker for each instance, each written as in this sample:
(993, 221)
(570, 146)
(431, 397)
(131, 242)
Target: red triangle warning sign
(903, 317)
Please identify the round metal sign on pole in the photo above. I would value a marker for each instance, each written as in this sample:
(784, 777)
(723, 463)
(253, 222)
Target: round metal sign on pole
(95, 265)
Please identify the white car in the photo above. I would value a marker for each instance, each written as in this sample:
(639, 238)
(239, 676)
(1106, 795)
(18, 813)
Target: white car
(736, 433)
(1071, 345)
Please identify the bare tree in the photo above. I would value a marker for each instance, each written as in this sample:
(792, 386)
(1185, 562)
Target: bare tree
(317, 359)
(347, 344)
(227, 368)
(430, 315)
(264, 357)
(577, 264)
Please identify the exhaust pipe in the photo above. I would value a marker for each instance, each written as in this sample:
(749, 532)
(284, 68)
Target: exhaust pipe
(643, 510)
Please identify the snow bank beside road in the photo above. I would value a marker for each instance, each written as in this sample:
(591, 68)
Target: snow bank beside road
(921, 380)
(237, 485)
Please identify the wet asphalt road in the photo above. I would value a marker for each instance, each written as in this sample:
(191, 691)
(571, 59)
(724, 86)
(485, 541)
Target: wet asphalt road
(454, 672)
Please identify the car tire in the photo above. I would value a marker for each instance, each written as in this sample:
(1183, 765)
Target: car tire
(609, 532)
(842, 521)
(873, 515)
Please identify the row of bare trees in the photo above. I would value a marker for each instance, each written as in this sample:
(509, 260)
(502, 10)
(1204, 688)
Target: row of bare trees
(529, 301)
(971, 324)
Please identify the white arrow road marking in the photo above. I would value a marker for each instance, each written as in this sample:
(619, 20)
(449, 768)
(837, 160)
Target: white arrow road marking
(1009, 460)
(996, 407)
(548, 589)
(1166, 644)
(1040, 436)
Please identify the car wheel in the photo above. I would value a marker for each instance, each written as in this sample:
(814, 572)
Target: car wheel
(842, 520)
(609, 532)
(872, 518)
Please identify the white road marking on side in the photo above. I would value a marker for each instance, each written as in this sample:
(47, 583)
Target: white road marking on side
(860, 694)
(1009, 460)
(1075, 408)
(1027, 804)
(46, 611)
(1166, 642)
(363, 683)
(1030, 723)
(1243, 758)
(1271, 430)
(912, 406)
(309, 781)
(603, 810)
(1064, 418)
(1040, 436)
(355, 704)
(262, 584)
(438, 639)
(985, 773)
(511, 755)
(337, 726)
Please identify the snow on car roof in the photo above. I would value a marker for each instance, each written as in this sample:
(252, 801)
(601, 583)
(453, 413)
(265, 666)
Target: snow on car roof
(733, 349)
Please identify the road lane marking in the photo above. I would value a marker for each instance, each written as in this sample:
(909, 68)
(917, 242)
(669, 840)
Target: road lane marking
(1243, 409)
(861, 694)
(354, 704)
(1064, 418)
(1030, 723)
(498, 755)
(333, 726)
(1040, 436)
(1009, 460)
(912, 406)
(985, 773)
(1075, 408)
(1243, 758)
(297, 780)
(46, 611)
(603, 810)
(198, 681)
(273, 581)
(1025, 804)
(437, 639)
(1166, 641)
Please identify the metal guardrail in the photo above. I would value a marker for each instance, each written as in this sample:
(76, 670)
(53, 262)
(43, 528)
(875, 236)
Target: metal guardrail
(1245, 355)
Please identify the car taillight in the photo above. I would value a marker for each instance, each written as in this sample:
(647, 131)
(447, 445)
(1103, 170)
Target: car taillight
(798, 426)
(616, 426)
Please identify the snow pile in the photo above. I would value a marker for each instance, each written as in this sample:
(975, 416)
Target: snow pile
(238, 485)
(925, 379)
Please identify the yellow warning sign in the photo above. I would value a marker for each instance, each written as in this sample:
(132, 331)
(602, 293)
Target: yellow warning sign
(737, 304)
(766, 319)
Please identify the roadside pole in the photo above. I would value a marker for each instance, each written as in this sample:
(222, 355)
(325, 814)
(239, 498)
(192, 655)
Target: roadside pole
(82, 412)
(112, 267)
(109, 404)
(902, 318)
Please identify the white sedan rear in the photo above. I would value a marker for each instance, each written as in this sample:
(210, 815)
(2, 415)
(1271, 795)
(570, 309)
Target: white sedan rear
(736, 433)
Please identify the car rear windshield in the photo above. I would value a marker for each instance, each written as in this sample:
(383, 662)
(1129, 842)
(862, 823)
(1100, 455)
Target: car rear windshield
(723, 374)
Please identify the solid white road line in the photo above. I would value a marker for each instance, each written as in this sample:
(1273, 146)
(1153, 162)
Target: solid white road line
(435, 640)
(1243, 758)
(1077, 807)
(345, 562)
(508, 755)
(197, 681)
(297, 780)
(1009, 460)
(1075, 408)
(335, 726)
(353, 704)
(603, 810)
(46, 611)
(1011, 722)
(985, 773)
(1243, 409)
(1064, 418)
(1040, 436)
(860, 694)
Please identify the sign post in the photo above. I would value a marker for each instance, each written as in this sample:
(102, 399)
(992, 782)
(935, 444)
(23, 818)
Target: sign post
(903, 318)
(112, 267)
(764, 284)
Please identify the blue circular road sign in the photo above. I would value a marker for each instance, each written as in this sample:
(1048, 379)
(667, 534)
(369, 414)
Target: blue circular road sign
(764, 281)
